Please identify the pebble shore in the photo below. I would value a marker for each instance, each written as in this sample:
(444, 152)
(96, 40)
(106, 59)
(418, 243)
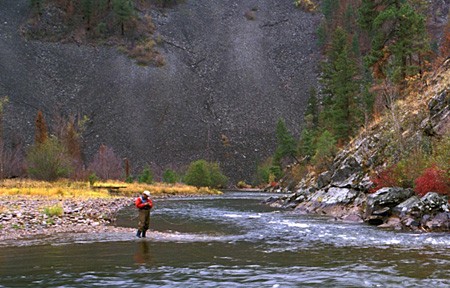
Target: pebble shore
(24, 217)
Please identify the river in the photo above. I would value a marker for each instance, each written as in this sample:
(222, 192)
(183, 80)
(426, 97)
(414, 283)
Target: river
(231, 240)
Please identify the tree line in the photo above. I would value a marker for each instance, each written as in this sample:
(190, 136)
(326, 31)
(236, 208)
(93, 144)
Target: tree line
(59, 154)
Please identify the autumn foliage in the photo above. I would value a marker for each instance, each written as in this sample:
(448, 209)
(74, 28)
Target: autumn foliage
(433, 179)
(382, 179)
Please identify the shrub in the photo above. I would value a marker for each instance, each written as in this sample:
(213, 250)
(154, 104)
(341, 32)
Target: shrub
(92, 179)
(198, 174)
(242, 185)
(325, 151)
(263, 172)
(218, 179)
(205, 174)
(105, 164)
(49, 160)
(432, 180)
(55, 210)
(170, 176)
(146, 176)
(383, 179)
(276, 172)
(306, 5)
(409, 168)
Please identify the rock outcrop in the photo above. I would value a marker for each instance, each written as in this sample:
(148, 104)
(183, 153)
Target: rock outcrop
(344, 190)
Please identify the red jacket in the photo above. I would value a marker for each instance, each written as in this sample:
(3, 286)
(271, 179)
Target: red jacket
(141, 203)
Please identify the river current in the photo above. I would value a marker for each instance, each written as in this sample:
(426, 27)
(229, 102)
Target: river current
(232, 240)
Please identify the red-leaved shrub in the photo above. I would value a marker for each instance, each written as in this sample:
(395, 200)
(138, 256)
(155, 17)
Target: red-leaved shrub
(432, 180)
(384, 178)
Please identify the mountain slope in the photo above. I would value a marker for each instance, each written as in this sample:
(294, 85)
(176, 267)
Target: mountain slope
(226, 77)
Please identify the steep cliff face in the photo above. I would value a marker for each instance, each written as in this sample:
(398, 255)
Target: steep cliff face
(226, 76)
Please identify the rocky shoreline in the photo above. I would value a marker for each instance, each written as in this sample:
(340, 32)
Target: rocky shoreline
(25, 217)
(391, 207)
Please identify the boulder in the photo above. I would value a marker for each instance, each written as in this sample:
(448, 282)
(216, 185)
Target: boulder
(323, 179)
(432, 201)
(407, 206)
(440, 222)
(348, 173)
(392, 223)
(337, 195)
(386, 197)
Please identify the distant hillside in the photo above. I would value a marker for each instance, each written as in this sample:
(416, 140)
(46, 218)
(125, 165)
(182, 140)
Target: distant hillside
(227, 78)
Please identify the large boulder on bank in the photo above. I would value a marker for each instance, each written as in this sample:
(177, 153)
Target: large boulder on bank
(379, 204)
(387, 197)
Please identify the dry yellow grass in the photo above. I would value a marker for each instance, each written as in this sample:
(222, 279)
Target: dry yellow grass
(76, 189)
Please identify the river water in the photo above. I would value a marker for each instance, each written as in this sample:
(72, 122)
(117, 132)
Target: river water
(231, 241)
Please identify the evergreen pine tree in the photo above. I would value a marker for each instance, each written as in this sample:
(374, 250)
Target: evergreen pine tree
(123, 10)
(286, 143)
(399, 39)
(340, 88)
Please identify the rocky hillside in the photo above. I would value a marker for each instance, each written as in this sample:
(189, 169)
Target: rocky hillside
(227, 79)
(344, 190)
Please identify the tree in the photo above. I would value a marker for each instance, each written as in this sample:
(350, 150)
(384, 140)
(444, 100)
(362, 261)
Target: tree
(48, 160)
(399, 40)
(286, 143)
(306, 146)
(105, 164)
(123, 9)
(41, 131)
(146, 176)
(218, 179)
(312, 110)
(198, 174)
(325, 151)
(340, 88)
(205, 174)
(170, 176)
(87, 7)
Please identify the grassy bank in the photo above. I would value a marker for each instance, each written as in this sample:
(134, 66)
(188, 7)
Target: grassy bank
(77, 189)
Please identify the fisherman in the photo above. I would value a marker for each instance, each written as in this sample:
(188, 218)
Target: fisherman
(144, 204)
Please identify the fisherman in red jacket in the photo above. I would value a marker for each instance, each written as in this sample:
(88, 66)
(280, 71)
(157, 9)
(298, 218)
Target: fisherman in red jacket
(144, 204)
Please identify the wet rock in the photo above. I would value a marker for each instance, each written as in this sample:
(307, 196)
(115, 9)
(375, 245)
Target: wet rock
(336, 195)
(353, 217)
(392, 223)
(441, 222)
(433, 201)
(387, 197)
(382, 212)
(407, 206)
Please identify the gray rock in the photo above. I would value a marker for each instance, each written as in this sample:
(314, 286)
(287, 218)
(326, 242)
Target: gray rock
(323, 179)
(412, 203)
(348, 173)
(392, 223)
(387, 197)
(433, 201)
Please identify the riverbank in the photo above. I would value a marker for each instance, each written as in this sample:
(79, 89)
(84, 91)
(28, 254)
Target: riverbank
(24, 217)
(38, 209)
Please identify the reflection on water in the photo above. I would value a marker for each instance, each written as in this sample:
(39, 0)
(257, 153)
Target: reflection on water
(231, 241)
(142, 255)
